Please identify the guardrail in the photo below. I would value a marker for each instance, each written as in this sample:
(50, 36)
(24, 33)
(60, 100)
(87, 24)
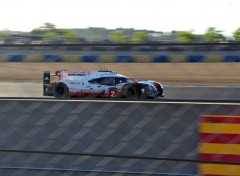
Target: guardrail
(118, 53)
(159, 58)
(228, 46)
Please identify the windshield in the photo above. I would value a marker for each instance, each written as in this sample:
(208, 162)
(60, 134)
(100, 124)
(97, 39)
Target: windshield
(109, 80)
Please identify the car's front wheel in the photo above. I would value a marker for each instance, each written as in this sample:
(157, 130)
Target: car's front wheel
(61, 91)
(130, 91)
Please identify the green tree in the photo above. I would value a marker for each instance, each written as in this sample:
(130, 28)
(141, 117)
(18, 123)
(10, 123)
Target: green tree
(3, 35)
(71, 36)
(37, 31)
(186, 36)
(50, 32)
(236, 35)
(140, 37)
(95, 37)
(51, 35)
(118, 37)
(47, 27)
(213, 35)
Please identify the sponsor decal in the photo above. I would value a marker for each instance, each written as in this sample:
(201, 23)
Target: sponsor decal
(76, 74)
(75, 83)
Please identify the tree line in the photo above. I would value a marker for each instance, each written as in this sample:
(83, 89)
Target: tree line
(49, 32)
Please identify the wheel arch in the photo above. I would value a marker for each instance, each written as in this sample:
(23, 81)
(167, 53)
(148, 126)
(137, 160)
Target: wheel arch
(135, 90)
(61, 90)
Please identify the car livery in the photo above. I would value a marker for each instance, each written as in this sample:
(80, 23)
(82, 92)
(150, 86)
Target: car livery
(103, 83)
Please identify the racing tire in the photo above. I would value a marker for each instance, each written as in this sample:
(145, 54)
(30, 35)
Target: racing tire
(61, 91)
(160, 92)
(130, 91)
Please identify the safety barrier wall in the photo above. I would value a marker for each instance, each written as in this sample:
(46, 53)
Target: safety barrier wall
(31, 130)
(219, 142)
(120, 58)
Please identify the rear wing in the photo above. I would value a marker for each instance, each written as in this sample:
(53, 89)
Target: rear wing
(46, 82)
(47, 87)
(47, 76)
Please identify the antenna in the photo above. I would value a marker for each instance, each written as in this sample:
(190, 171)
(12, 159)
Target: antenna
(104, 69)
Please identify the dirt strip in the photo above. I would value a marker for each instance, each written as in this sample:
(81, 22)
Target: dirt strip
(206, 74)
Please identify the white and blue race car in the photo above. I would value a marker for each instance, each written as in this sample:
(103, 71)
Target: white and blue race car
(103, 83)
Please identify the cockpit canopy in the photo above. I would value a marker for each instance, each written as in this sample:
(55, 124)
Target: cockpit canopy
(109, 80)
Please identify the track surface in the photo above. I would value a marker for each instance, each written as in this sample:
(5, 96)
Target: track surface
(229, 93)
(190, 81)
(186, 74)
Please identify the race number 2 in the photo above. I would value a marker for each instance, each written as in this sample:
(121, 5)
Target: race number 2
(112, 93)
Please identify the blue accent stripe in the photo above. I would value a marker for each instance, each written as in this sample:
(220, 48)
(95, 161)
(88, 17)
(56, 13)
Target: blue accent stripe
(15, 58)
(161, 59)
(197, 58)
(89, 58)
(51, 58)
(232, 58)
(125, 59)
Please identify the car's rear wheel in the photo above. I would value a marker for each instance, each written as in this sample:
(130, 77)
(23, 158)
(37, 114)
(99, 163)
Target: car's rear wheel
(61, 91)
(130, 91)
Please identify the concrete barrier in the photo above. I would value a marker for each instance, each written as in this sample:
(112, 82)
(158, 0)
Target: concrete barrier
(155, 130)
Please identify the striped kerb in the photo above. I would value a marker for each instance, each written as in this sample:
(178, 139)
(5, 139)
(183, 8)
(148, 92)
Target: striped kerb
(219, 142)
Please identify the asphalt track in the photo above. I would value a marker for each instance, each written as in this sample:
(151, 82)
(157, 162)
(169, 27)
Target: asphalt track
(172, 92)
(182, 81)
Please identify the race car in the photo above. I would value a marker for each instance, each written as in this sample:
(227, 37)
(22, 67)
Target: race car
(102, 83)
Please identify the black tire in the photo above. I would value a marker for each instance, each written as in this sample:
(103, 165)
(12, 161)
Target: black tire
(160, 91)
(61, 91)
(130, 91)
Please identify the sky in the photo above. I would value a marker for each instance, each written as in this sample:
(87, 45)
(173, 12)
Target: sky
(158, 15)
